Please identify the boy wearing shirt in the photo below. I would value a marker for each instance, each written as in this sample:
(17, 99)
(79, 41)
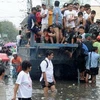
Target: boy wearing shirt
(70, 17)
(92, 63)
(47, 77)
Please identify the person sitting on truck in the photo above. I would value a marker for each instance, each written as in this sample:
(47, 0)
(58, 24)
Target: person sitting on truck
(46, 36)
(52, 34)
(32, 24)
(49, 35)
(68, 35)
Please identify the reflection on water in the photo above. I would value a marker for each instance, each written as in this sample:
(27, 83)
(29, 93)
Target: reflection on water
(65, 90)
(71, 91)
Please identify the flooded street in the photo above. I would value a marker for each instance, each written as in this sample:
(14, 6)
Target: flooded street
(66, 90)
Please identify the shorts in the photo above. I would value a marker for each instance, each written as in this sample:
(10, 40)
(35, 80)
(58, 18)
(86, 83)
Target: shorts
(43, 84)
(81, 67)
(94, 71)
(35, 29)
(88, 71)
(57, 26)
(24, 99)
(44, 26)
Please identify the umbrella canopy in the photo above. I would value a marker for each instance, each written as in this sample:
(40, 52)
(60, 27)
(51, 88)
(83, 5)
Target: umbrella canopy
(10, 44)
(4, 57)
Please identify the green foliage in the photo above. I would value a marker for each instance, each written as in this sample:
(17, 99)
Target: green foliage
(7, 28)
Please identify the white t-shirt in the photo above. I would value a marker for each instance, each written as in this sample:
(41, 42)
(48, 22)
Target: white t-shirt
(48, 70)
(18, 38)
(70, 15)
(25, 85)
(45, 12)
(83, 36)
(86, 16)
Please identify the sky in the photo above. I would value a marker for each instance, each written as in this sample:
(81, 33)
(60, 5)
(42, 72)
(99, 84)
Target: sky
(14, 10)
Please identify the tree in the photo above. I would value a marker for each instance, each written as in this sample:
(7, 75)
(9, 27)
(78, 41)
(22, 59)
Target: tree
(7, 28)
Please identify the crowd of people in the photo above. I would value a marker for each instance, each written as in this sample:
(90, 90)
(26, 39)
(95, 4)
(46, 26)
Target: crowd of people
(73, 23)
(56, 25)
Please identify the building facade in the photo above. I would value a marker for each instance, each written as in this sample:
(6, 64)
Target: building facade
(82, 2)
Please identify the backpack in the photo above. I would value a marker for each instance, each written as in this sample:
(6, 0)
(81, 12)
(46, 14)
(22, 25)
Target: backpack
(38, 17)
(46, 66)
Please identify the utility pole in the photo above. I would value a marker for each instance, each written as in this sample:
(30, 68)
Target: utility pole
(48, 2)
(29, 6)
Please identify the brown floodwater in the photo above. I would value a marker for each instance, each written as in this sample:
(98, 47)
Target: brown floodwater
(66, 90)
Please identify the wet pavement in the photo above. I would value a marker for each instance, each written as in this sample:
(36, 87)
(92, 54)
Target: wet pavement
(66, 90)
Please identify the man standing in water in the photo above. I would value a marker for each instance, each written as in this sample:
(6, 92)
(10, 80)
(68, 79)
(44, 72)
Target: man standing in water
(47, 78)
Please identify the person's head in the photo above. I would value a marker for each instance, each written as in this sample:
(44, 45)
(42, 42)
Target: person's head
(88, 36)
(38, 7)
(95, 49)
(81, 29)
(79, 39)
(98, 22)
(4, 48)
(45, 31)
(98, 38)
(34, 10)
(77, 5)
(70, 6)
(65, 6)
(49, 54)
(57, 3)
(81, 8)
(44, 5)
(2, 71)
(93, 13)
(26, 66)
(50, 28)
(15, 55)
(80, 14)
(88, 11)
(87, 6)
